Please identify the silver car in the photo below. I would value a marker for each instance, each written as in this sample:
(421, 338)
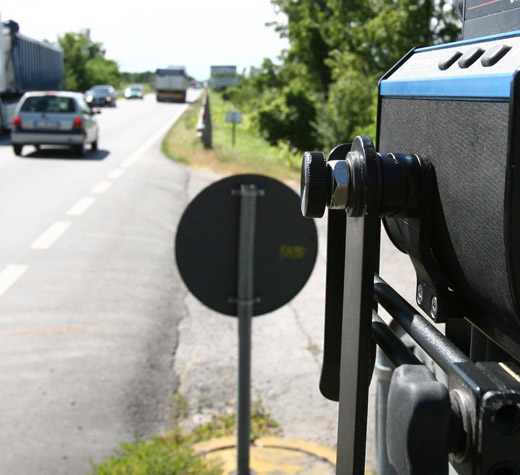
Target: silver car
(54, 118)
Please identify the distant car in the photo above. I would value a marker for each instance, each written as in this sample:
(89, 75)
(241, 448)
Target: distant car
(134, 92)
(54, 118)
(102, 95)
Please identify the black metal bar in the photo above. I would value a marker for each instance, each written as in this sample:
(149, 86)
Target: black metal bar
(438, 347)
(330, 369)
(390, 343)
(357, 346)
(361, 258)
(336, 232)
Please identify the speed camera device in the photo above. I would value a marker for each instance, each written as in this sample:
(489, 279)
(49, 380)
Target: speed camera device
(443, 177)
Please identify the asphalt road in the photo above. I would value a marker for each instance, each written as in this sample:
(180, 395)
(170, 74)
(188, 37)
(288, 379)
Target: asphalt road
(88, 302)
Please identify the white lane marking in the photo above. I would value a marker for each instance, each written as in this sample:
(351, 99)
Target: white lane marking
(9, 276)
(148, 144)
(49, 237)
(101, 187)
(116, 173)
(81, 206)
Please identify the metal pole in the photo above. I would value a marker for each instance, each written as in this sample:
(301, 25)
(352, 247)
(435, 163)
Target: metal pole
(245, 302)
(431, 340)
(233, 140)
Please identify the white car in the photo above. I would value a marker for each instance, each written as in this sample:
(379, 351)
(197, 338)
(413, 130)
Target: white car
(54, 118)
(134, 92)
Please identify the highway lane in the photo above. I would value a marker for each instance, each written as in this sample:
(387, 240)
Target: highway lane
(89, 297)
(33, 190)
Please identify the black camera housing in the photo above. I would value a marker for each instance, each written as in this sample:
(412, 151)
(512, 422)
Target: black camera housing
(458, 106)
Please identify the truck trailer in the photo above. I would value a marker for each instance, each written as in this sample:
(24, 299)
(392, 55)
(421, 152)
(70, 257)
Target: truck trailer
(25, 65)
(171, 84)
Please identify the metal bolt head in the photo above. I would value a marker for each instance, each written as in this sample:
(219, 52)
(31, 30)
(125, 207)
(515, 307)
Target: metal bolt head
(420, 294)
(434, 307)
(339, 183)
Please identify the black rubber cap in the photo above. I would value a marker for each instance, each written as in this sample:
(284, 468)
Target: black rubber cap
(313, 184)
(417, 403)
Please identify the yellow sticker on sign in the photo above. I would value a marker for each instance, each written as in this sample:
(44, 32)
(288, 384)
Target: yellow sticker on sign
(292, 252)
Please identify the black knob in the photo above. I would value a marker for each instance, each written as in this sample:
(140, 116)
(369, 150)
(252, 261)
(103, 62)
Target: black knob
(313, 184)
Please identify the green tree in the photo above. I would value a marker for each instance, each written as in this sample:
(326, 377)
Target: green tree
(288, 115)
(376, 42)
(85, 63)
(310, 43)
(103, 71)
(146, 77)
(326, 84)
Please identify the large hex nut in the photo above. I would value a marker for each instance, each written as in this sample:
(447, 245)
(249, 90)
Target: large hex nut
(340, 184)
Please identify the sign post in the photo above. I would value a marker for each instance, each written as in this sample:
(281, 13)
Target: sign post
(235, 117)
(277, 249)
(245, 302)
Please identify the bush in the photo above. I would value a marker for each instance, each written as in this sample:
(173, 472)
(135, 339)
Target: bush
(351, 109)
(288, 116)
(171, 455)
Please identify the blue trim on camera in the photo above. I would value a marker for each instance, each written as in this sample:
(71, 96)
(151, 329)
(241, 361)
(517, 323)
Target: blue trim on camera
(493, 87)
(470, 41)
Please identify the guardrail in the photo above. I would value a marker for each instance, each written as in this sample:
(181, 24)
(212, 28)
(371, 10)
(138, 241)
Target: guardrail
(204, 122)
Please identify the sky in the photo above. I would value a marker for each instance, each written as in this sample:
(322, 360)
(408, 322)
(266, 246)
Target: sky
(151, 34)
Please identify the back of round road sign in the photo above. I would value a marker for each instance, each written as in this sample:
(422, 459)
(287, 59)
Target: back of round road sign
(206, 246)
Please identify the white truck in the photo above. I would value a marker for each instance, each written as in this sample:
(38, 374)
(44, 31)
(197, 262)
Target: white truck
(25, 65)
(171, 84)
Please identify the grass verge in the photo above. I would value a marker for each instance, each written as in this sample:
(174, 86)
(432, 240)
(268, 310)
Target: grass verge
(166, 455)
(251, 154)
(172, 454)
